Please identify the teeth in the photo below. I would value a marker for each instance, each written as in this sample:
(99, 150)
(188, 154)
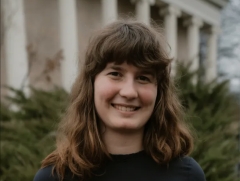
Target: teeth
(123, 108)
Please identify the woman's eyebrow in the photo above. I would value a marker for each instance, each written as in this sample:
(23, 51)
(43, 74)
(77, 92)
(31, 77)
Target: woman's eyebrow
(141, 71)
(147, 72)
(115, 67)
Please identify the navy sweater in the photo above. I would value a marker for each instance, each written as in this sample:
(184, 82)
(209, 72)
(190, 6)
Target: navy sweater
(136, 167)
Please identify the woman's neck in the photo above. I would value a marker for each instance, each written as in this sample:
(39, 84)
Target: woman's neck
(123, 142)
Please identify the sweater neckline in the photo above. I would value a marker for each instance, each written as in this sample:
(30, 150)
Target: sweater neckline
(118, 157)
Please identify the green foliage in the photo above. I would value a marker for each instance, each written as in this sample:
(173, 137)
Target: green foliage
(40, 105)
(23, 145)
(212, 111)
(5, 113)
(28, 131)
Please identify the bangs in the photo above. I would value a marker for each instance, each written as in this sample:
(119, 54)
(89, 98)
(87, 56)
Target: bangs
(133, 43)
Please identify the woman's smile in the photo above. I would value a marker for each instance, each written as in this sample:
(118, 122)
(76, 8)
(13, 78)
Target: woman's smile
(126, 108)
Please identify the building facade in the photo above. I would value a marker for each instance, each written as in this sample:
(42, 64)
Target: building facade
(43, 40)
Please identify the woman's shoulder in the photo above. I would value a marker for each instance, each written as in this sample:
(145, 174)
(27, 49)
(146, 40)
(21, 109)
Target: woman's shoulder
(189, 167)
(45, 174)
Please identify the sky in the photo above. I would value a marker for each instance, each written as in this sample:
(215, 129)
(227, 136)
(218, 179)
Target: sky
(229, 44)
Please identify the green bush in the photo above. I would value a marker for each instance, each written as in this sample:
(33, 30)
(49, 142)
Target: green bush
(28, 131)
(23, 145)
(6, 114)
(39, 105)
(213, 111)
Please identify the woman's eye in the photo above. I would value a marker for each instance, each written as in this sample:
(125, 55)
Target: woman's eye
(144, 79)
(115, 74)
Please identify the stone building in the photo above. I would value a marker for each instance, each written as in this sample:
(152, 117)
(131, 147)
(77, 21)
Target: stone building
(42, 40)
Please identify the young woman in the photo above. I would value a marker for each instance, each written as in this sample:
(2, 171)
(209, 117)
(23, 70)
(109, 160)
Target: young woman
(124, 121)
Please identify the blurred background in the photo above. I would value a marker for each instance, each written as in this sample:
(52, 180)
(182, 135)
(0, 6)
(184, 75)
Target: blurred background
(42, 48)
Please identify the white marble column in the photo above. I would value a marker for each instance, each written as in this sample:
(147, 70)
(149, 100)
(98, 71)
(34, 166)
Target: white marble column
(171, 14)
(69, 42)
(143, 13)
(109, 11)
(211, 61)
(193, 40)
(14, 31)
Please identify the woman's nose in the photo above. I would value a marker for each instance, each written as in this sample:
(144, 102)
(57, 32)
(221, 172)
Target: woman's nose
(128, 89)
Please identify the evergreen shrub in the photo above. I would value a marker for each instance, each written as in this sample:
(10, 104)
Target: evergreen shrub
(213, 113)
(28, 131)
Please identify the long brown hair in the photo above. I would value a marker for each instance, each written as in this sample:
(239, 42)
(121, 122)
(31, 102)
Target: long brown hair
(166, 136)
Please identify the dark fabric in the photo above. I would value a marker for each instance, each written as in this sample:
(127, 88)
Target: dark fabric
(137, 167)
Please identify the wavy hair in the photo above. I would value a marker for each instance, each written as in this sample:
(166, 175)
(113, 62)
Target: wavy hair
(166, 136)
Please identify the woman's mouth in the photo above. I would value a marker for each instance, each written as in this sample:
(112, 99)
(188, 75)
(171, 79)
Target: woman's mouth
(125, 108)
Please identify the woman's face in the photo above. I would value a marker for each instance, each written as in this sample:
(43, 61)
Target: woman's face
(124, 96)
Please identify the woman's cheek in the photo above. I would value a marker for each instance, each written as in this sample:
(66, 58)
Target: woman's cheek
(148, 95)
(106, 89)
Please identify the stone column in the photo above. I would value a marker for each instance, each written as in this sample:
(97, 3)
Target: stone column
(69, 42)
(211, 61)
(14, 31)
(143, 10)
(109, 11)
(193, 27)
(171, 14)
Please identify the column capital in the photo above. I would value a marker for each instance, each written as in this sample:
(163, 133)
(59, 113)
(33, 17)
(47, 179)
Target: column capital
(193, 21)
(170, 9)
(214, 30)
(151, 2)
